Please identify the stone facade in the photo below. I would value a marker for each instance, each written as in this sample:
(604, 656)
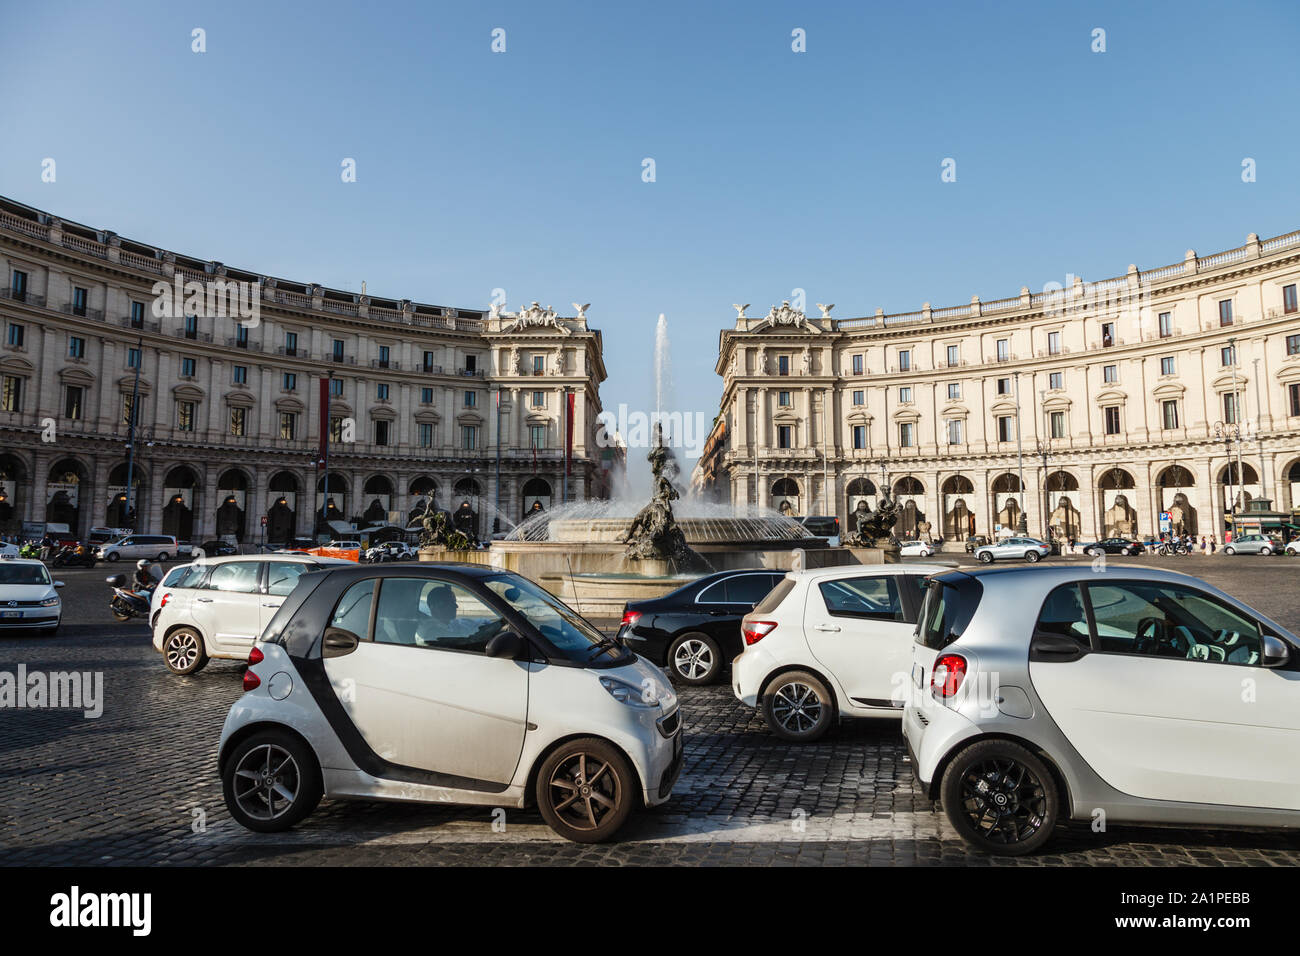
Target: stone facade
(1121, 392)
(229, 398)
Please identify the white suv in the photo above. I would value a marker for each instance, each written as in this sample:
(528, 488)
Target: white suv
(217, 607)
(828, 643)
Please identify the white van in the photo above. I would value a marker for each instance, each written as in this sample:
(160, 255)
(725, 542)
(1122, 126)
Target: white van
(155, 547)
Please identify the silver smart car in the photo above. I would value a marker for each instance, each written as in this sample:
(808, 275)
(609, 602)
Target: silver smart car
(1130, 695)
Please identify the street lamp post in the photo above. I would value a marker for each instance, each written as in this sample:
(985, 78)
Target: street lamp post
(1259, 436)
(1020, 459)
(1227, 432)
(1236, 416)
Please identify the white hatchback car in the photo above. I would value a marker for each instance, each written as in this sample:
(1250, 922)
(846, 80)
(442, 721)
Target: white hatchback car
(216, 607)
(916, 549)
(28, 597)
(446, 684)
(829, 643)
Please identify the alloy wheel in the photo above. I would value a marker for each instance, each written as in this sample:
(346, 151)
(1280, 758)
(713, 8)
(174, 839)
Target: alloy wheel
(584, 790)
(182, 650)
(797, 708)
(1004, 801)
(266, 782)
(693, 659)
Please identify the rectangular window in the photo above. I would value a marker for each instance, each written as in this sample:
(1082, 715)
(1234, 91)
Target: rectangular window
(1004, 386)
(1166, 324)
(537, 436)
(381, 391)
(1289, 303)
(1169, 413)
(1107, 334)
(426, 396)
(954, 356)
(133, 358)
(783, 365)
(240, 375)
(1053, 343)
(11, 394)
(137, 315)
(126, 411)
(469, 437)
(859, 397)
(1057, 423)
(189, 367)
(383, 356)
(954, 431)
(238, 421)
(905, 394)
(1056, 380)
(1111, 415)
(783, 399)
(1225, 312)
(539, 400)
(1228, 355)
(78, 300)
(784, 436)
(336, 388)
(1004, 350)
(290, 343)
(471, 363)
(185, 416)
(906, 434)
(241, 336)
(17, 333)
(1006, 431)
(428, 362)
(18, 286)
(905, 360)
(72, 396)
(336, 429)
(1110, 373)
(471, 399)
(426, 435)
(76, 347)
(857, 365)
(954, 390)
(539, 364)
(860, 436)
(381, 431)
(289, 381)
(337, 354)
(1167, 365)
(288, 425)
(1230, 408)
(191, 326)
(1293, 345)
(1293, 392)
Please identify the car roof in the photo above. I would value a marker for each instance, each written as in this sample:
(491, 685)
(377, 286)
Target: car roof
(9, 561)
(303, 558)
(1063, 574)
(432, 568)
(867, 570)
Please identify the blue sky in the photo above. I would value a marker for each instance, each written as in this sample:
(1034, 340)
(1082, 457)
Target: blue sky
(774, 170)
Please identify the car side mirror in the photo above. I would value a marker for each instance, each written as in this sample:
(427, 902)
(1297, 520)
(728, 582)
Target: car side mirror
(507, 644)
(1275, 652)
(58, 584)
(338, 642)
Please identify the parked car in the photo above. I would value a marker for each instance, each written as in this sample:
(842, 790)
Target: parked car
(694, 631)
(1014, 548)
(827, 643)
(472, 685)
(1254, 544)
(1128, 546)
(1062, 693)
(217, 548)
(155, 547)
(823, 526)
(8, 550)
(1293, 547)
(29, 597)
(915, 549)
(218, 607)
(389, 551)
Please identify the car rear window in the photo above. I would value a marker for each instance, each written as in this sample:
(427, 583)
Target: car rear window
(948, 608)
(775, 596)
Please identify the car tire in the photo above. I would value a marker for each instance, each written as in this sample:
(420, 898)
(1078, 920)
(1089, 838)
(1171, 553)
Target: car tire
(162, 556)
(1024, 814)
(112, 556)
(694, 659)
(580, 803)
(1032, 557)
(1266, 550)
(183, 652)
(1229, 550)
(271, 781)
(798, 707)
(986, 557)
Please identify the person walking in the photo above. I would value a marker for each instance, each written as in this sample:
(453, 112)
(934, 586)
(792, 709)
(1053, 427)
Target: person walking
(1203, 545)
(1214, 543)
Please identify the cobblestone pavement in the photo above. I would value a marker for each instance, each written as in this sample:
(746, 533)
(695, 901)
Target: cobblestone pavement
(139, 784)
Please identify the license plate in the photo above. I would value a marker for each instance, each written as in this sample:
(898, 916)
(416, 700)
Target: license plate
(11, 613)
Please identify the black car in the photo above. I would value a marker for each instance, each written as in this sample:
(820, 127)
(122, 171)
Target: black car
(218, 549)
(1114, 546)
(693, 631)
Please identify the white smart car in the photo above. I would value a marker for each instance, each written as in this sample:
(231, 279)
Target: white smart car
(830, 643)
(446, 684)
(916, 549)
(29, 599)
(216, 607)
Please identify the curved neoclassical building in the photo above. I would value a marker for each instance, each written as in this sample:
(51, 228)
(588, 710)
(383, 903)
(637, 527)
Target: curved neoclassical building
(229, 396)
(1092, 408)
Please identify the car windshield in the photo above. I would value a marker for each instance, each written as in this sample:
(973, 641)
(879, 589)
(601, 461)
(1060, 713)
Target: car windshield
(575, 637)
(24, 574)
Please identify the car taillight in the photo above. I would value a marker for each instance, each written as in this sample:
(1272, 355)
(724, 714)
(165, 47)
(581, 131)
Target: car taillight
(630, 618)
(251, 680)
(163, 602)
(755, 631)
(949, 671)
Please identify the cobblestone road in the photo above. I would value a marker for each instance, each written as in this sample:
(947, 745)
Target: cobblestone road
(139, 786)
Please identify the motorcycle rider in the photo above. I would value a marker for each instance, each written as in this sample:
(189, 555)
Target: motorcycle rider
(146, 576)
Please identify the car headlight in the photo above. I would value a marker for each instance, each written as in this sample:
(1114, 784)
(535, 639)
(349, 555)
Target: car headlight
(51, 601)
(646, 695)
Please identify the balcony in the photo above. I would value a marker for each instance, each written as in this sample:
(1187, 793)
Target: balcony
(81, 312)
(26, 298)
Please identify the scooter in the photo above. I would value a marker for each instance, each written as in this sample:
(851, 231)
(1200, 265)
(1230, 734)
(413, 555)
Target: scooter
(127, 603)
(78, 557)
(30, 550)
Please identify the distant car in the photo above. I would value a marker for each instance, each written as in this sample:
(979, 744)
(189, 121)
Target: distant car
(8, 550)
(975, 541)
(694, 631)
(218, 549)
(1254, 544)
(1293, 547)
(155, 547)
(29, 598)
(389, 551)
(823, 526)
(1114, 546)
(916, 549)
(1015, 548)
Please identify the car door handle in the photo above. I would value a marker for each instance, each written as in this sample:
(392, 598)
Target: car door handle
(825, 627)
(718, 613)
(204, 600)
